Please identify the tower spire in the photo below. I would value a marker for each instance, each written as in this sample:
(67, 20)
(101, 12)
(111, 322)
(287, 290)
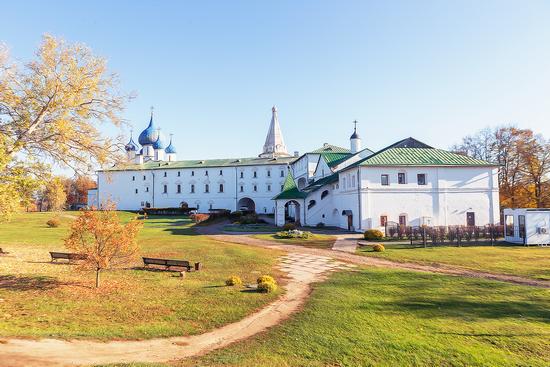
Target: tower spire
(274, 143)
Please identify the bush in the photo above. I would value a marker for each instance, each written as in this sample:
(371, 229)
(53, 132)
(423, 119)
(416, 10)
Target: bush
(289, 227)
(373, 234)
(378, 247)
(251, 218)
(53, 222)
(267, 287)
(233, 280)
(198, 218)
(294, 234)
(266, 278)
(320, 225)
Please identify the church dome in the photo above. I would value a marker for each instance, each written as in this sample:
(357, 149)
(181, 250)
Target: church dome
(131, 146)
(150, 135)
(354, 135)
(170, 149)
(160, 142)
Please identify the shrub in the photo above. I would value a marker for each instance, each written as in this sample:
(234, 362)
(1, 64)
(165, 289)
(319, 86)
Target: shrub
(251, 218)
(233, 280)
(267, 287)
(320, 225)
(53, 222)
(294, 234)
(198, 218)
(289, 227)
(266, 278)
(378, 247)
(373, 234)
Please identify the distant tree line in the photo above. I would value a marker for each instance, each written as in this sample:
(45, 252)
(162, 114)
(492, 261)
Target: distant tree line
(524, 160)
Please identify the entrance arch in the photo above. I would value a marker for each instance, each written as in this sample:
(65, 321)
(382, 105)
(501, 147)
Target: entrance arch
(247, 203)
(292, 212)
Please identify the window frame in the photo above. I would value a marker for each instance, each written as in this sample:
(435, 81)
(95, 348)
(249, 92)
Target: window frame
(401, 178)
(424, 182)
(387, 181)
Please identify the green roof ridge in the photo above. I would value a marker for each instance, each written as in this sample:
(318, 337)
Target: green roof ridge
(420, 157)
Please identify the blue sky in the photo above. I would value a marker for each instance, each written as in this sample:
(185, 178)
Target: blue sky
(435, 70)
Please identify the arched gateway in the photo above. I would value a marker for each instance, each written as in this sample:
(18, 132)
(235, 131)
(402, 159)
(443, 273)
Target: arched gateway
(246, 204)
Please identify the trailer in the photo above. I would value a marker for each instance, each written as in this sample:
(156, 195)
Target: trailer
(527, 226)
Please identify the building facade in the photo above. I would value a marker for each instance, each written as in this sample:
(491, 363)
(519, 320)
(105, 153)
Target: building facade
(407, 183)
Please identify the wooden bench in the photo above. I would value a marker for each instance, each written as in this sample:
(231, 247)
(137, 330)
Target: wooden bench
(167, 263)
(67, 256)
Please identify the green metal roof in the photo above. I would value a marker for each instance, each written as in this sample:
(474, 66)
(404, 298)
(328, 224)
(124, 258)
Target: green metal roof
(333, 159)
(420, 157)
(231, 162)
(328, 148)
(314, 186)
(290, 190)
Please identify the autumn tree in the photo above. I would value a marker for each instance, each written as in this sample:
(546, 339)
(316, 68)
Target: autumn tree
(51, 109)
(103, 239)
(77, 189)
(55, 195)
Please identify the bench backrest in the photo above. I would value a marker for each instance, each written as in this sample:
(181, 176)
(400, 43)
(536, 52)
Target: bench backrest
(182, 263)
(153, 261)
(166, 262)
(67, 255)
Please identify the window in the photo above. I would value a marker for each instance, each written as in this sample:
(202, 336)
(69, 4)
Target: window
(192, 173)
(509, 225)
(207, 188)
(242, 174)
(282, 173)
(255, 188)
(521, 226)
(221, 172)
(179, 174)
(146, 189)
(165, 189)
(421, 178)
(470, 219)
(385, 180)
(255, 174)
(206, 173)
(165, 174)
(221, 187)
(144, 177)
(324, 194)
(192, 189)
(242, 188)
(136, 191)
(311, 204)
(210, 206)
(401, 178)
(179, 189)
(403, 220)
(383, 220)
(268, 187)
(198, 206)
(268, 173)
(282, 187)
(142, 204)
(133, 178)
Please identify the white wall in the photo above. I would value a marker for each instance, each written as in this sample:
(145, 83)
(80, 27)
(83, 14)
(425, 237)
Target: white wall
(120, 187)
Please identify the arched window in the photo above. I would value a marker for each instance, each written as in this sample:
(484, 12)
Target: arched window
(311, 204)
(192, 189)
(221, 187)
(324, 194)
(179, 189)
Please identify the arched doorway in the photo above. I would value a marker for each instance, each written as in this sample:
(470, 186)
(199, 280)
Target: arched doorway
(292, 212)
(246, 204)
(184, 205)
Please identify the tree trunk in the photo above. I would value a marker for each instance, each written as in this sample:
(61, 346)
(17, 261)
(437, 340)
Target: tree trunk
(97, 277)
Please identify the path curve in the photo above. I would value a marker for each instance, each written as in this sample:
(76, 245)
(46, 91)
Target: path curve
(301, 270)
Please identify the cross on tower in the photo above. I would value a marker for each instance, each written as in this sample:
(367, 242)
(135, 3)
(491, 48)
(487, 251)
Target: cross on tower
(355, 125)
(152, 110)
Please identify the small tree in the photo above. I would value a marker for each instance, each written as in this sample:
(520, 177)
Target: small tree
(106, 242)
(55, 194)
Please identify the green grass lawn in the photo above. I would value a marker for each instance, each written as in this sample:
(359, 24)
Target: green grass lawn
(262, 227)
(41, 299)
(533, 262)
(316, 240)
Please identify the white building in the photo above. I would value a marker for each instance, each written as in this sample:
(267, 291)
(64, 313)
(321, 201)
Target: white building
(527, 226)
(408, 182)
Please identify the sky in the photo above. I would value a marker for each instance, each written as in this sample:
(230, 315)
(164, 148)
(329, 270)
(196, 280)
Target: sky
(434, 70)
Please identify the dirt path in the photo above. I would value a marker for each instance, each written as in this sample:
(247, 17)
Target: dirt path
(349, 257)
(301, 269)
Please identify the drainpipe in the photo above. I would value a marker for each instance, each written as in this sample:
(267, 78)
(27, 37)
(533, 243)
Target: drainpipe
(359, 196)
(153, 174)
(236, 184)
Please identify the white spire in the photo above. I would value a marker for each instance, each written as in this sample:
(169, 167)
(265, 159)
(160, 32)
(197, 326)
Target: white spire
(274, 144)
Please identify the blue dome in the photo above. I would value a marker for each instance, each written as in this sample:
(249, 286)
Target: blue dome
(159, 143)
(170, 148)
(150, 135)
(131, 146)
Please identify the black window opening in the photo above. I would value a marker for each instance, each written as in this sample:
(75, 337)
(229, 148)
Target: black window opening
(268, 173)
(242, 188)
(282, 187)
(165, 189)
(146, 189)
(179, 174)
(311, 204)
(421, 178)
(136, 191)
(206, 173)
(165, 174)
(268, 187)
(179, 189)
(221, 172)
(221, 187)
(255, 174)
(206, 188)
(401, 179)
(255, 188)
(144, 177)
(324, 194)
(133, 178)
(282, 173)
(385, 180)
(192, 189)
(242, 174)
(521, 226)
(192, 173)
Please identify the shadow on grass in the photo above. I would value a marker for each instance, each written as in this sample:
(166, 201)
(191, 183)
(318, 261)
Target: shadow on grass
(24, 283)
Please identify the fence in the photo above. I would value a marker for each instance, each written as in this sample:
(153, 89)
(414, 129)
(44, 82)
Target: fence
(445, 235)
